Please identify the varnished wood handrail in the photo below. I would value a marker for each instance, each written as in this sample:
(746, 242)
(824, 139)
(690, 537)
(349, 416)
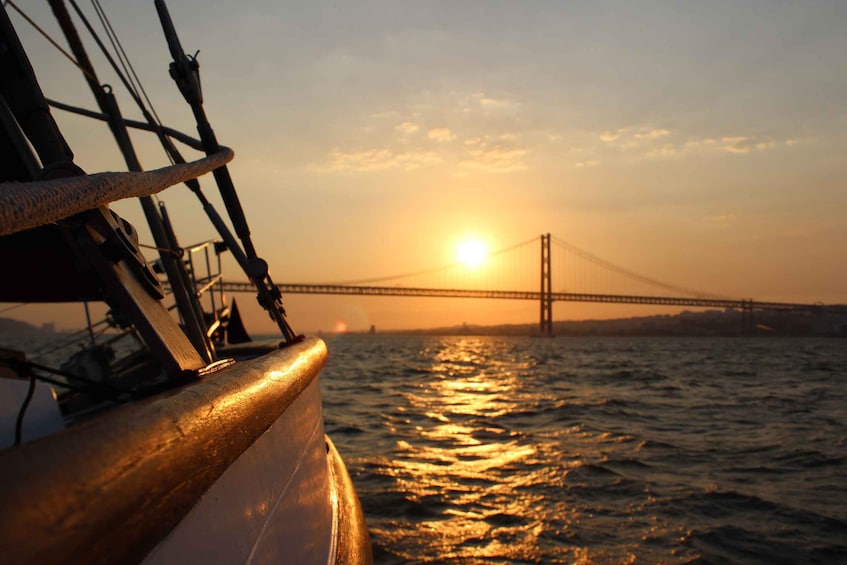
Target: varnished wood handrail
(110, 489)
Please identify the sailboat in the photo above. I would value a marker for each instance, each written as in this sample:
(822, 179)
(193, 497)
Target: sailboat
(198, 445)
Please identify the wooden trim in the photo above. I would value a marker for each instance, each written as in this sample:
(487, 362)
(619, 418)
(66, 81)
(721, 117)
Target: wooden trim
(109, 490)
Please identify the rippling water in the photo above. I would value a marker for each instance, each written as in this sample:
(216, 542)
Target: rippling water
(521, 450)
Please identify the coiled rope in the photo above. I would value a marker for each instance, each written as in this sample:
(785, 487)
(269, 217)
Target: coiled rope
(32, 204)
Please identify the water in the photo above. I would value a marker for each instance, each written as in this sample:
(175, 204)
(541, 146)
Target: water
(585, 450)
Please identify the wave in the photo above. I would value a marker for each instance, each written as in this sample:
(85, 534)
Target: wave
(562, 451)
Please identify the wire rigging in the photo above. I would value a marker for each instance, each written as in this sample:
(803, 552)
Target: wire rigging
(132, 91)
(71, 339)
(46, 36)
(126, 63)
(106, 53)
(13, 307)
(116, 48)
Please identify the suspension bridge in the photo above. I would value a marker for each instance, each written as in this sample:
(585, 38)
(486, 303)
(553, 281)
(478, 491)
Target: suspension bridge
(580, 276)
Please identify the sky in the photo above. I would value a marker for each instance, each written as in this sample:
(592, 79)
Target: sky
(698, 143)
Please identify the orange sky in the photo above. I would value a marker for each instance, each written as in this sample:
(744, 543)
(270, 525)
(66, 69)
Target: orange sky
(697, 143)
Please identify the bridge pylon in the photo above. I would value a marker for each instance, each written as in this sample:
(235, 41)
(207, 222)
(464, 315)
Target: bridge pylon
(546, 323)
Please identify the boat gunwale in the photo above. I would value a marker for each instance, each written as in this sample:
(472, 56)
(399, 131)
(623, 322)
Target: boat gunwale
(110, 489)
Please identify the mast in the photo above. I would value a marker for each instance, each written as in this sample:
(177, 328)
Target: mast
(101, 244)
(187, 303)
(185, 72)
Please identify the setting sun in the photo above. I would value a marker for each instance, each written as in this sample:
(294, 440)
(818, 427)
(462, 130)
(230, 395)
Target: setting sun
(471, 253)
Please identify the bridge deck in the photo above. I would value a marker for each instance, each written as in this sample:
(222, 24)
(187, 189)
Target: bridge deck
(697, 302)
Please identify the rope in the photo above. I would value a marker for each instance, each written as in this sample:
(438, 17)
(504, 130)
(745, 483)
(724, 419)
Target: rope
(29, 205)
(126, 63)
(20, 305)
(160, 249)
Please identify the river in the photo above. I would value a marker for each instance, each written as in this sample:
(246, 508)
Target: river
(594, 450)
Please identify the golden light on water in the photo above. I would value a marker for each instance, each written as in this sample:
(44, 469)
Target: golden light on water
(458, 457)
(476, 491)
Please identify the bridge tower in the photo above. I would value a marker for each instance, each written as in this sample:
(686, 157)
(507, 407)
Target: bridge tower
(546, 324)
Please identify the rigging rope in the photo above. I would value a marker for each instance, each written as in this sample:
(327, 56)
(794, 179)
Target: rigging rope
(29, 205)
(116, 46)
(14, 307)
(137, 80)
(68, 340)
(110, 59)
(48, 38)
(127, 65)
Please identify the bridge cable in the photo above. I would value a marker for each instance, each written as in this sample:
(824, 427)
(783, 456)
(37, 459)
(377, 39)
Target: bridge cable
(630, 274)
(425, 271)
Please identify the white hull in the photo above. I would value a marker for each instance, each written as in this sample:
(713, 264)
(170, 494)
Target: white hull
(234, 468)
(274, 504)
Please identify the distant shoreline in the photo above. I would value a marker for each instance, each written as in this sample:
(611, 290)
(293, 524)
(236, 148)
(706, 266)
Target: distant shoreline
(712, 323)
(686, 324)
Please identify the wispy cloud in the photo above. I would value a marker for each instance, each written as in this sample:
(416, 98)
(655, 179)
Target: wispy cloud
(414, 136)
(657, 142)
(441, 134)
(666, 150)
(611, 136)
(652, 134)
(380, 160)
(737, 144)
(407, 128)
(632, 137)
(495, 154)
(481, 102)
(496, 160)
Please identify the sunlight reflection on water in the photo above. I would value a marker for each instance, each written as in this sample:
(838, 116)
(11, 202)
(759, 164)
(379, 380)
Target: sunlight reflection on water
(492, 450)
(476, 464)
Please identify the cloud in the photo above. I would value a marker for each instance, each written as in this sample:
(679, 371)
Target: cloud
(380, 160)
(489, 102)
(612, 136)
(586, 164)
(667, 150)
(481, 102)
(631, 137)
(653, 143)
(496, 160)
(441, 134)
(495, 154)
(484, 135)
(738, 144)
(407, 128)
(652, 134)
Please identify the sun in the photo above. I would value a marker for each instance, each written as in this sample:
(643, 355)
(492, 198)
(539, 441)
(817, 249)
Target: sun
(471, 253)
